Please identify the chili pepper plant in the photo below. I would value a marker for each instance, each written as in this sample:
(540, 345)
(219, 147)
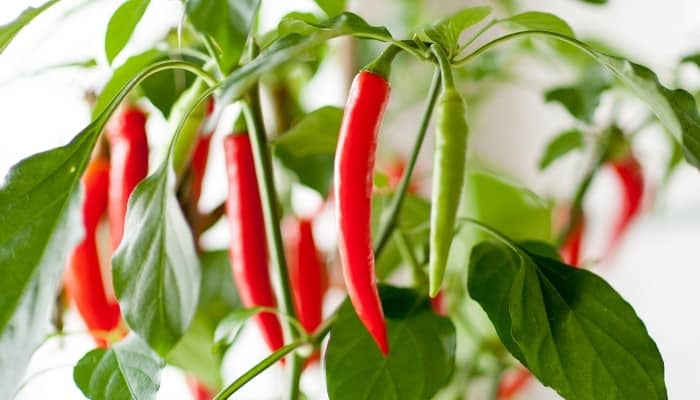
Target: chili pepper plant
(441, 286)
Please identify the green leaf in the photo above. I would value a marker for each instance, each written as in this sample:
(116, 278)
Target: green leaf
(597, 2)
(676, 109)
(582, 98)
(541, 21)
(308, 148)
(227, 23)
(447, 31)
(231, 327)
(128, 370)
(561, 145)
(421, 351)
(332, 7)
(156, 270)
(11, 29)
(121, 76)
(40, 216)
(566, 325)
(195, 352)
(502, 204)
(122, 25)
(163, 89)
(343, 24)
(692, 58)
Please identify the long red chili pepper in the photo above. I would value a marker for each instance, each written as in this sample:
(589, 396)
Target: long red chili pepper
(200, 157)
(248, 250)
(631, 180)
(354, 165)
(307, 274)
(129, 159)
(84, 276)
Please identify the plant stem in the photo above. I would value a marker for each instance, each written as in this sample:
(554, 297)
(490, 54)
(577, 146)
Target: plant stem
(577, 207)
(420, 279)
(391, 215)
(257, 369)
(577, 43)
(445, 67)
(268, 193)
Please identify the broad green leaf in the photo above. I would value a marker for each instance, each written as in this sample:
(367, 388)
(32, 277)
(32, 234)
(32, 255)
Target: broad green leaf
(332, 7)
(421, 351)
(561, 145)
(308, 148)
(195, 352)
(447, 31)
(11, 29)
(128, 370)
(582, 98)
(502, 204)
(692, 58)
(541, 21)
(597, 2)
(122, 25)
(566, 325)
(227, 23)
(231, 327)
(155, 269)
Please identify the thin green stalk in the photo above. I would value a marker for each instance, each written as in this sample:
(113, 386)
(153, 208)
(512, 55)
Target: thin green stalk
(445, 67)
(268, 193)
(577, 205)
(481, 31)
(391, 215)
(419, 277)
(257, 369)
(582, 46)
(297, 369)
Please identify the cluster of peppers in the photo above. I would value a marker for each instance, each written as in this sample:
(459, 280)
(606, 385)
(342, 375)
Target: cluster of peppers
(107, 183)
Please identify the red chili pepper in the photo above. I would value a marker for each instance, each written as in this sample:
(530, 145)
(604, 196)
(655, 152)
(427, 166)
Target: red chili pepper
(438, 303)
(631, 180)
(571, 249)
(248, 243)
(129, 159)
(354, 165)
(85, 281)
(395, 173)
(512, 383)
(307, 274)
(200, 157)
(199, 391)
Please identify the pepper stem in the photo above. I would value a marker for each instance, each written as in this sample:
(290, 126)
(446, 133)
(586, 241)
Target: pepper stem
(382, 64)
(445, 67)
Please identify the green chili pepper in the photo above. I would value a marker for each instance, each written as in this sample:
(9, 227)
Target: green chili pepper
(448, 172)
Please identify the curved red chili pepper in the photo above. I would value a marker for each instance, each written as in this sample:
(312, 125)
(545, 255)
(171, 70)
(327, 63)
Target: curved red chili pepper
(248, 250)
(354, 165)
(512, 383)
(84, 276)
(631, 180)
(571, 249)
(307, 274)
(129, 158)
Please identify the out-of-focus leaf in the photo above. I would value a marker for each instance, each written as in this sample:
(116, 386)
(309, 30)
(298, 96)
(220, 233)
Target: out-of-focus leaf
(541, 21)
(122, 25)
(582, 98)
(11, 29)
(561, 145)
(332, 7)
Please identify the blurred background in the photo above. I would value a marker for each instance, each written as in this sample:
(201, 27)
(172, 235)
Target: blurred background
(656, 268)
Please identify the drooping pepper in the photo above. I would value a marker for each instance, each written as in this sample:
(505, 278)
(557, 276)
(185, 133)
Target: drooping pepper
(248, 251)
(448, 171)
(85, 279)
(353, 176)
(570, 251)
(631, 181)
(129, 163)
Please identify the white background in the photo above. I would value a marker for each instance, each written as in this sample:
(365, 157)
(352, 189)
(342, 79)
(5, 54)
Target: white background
(656, 270)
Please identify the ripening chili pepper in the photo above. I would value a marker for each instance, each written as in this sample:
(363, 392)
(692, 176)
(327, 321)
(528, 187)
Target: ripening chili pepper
(448, 172)
(438, 303)
(200, 157)
(129, 163)
(85, 276)
(199, 391)
(248, 249)
(353, 175)
(631, 181)
(512, 383)
(570, 251)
